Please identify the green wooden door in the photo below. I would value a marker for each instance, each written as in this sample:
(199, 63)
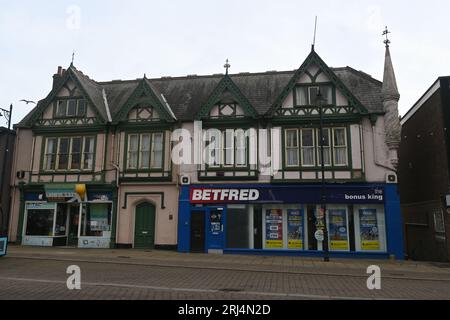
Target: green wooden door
(144, 230)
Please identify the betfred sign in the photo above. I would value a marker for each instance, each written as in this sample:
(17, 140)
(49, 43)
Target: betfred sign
(220, 195)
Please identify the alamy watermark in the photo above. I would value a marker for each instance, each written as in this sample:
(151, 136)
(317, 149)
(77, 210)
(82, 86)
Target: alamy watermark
(74, 280)
(73, 21)
(374, 280)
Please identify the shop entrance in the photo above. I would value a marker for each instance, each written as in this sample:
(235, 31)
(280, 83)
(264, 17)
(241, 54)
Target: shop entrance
(144, 230)
(73, 216)
(207, 229)
(197, 231)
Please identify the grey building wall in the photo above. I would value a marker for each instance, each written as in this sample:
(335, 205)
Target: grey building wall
(7, 140)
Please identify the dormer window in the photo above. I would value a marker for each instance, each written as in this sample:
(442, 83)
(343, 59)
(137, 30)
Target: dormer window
(71, 108)
(307, 95)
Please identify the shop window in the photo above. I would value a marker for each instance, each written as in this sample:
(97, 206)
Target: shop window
(96, 220)
(284, 227)
(239, 231)
(40, 222)
(370, 230)
(295, 229)
(274, 228)
(337, 228)
(61, 220)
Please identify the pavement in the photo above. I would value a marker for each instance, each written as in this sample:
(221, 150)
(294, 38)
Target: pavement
(130, 274)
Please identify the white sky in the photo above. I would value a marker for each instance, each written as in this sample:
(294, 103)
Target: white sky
(125, 39)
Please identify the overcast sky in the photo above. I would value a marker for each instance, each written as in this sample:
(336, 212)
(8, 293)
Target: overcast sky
(125, 39)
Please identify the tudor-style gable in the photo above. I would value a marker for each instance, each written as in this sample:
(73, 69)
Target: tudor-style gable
(226, 101)
(74, 101)
(298, 100)
(146, 104)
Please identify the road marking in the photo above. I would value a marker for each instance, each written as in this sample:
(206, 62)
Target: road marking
(132, 286)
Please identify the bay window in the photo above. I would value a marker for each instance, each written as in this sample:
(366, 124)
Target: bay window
(302, 147)
(227, 148)
(65, 153)
(145, 151)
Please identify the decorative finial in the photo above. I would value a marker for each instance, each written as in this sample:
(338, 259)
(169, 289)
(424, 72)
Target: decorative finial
(227, 66)
(145, 76)
(386, 33)
(73, 57)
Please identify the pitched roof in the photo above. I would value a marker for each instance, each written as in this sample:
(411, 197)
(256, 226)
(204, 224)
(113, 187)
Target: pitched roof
(186, 95)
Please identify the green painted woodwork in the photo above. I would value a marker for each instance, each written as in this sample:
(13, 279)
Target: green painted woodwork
(313, 58)
(143, 94)
(45, 103)
(125, 200)
(226, 84)
(144, 226)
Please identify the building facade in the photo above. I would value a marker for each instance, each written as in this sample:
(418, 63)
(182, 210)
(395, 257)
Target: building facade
(424, 174)
(7, 138)
(259, 189)
(220, 163)
(92, 167)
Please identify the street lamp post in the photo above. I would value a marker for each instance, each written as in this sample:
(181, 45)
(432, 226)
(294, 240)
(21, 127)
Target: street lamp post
(8, 115)
(323, 209)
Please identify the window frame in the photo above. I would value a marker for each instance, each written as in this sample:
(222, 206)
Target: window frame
(344, 146)
(57, 169)
(66, 101)
(313, 147)
(139, 151)
(307, 87)
(286, 148)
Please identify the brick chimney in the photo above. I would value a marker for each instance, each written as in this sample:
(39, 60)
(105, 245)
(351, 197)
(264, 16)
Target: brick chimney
(57, 77)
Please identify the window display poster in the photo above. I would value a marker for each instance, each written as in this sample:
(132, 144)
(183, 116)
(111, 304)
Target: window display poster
(368, 227)
(295, 228)
(274, 228)
(338, 229)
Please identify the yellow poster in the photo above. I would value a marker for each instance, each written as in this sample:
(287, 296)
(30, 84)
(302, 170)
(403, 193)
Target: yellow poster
(295, 244)
(339, 245)
(274, 244)
(370, 245)
(274, 229)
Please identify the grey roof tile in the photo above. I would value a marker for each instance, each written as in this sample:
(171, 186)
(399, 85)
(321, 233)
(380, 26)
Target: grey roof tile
(186, 95)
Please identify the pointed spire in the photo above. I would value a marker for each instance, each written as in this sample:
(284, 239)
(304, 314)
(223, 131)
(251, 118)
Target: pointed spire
(389, 90)
(390, 96)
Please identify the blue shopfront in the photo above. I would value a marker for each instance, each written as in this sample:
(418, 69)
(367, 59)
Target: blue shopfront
(362, 220)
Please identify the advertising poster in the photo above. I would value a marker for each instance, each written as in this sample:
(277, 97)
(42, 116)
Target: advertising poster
(274, 228)
(338, 229)
(295, 228)
(368, 227)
